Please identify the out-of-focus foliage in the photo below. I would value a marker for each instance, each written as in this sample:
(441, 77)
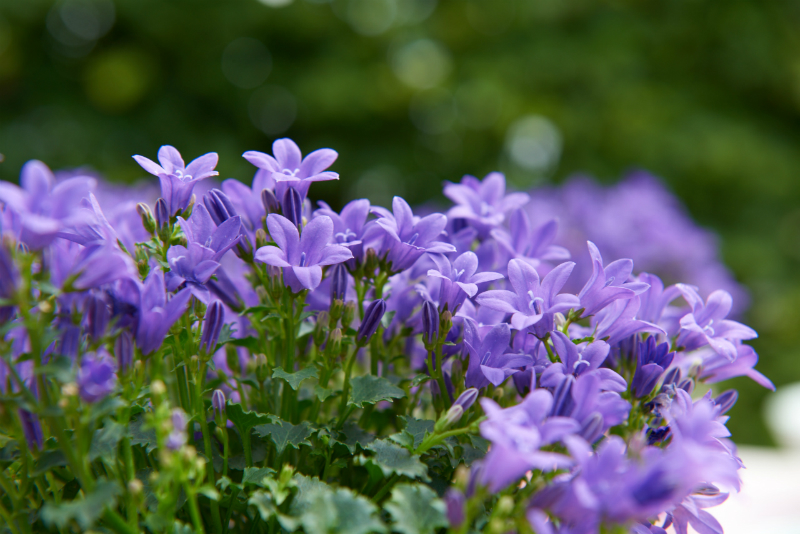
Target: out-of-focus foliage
(704, 94)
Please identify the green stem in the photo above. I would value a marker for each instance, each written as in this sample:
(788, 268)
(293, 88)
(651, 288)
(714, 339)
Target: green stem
(434, 439)
(6, 515)
(346, 388)
(387, 486)
(194, 511)
(116, 523)
(200, 411)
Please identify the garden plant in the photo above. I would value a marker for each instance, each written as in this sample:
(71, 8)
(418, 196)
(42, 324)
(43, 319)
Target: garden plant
(237, 360)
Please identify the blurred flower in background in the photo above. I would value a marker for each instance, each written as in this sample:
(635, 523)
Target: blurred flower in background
(704, 95)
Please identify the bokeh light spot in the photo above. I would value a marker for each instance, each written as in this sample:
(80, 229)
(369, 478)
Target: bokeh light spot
(246, 63)
(371, 17)
(118, 79)
(272, 109)
(534, 143)
(491, 17)
(421, 64)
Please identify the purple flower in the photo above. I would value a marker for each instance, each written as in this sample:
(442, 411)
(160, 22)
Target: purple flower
(177, 437)
(212, 326)
(608, 283)
(532, 301)
(707, 323)
(123, 348)
(482, 203)
(430, 323)
(156, 314)
(652, 360)
(43, 209)
(176, 178)
(467, 398)
(408, 237)
(248, 201)
(8, 282)
(372, 320)
(715, 367)
(617, 321)
(489, 361)
(348, 226)
(301, 257)
(591, 393)
(96, 377)
(195, 263)
(531, 244)
(517, 434)
(31, 428)
(454, 501)
(290, 169)
(579, 359)
(459, 279)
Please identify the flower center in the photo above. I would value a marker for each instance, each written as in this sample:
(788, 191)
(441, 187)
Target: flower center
(709, 329)
(413, 239)
(458, 274)
(302, 259)
(485, 358)
(609, 282)
(485, 209)
(290, 172)
(181, 176)
(344, 237)
(535, 303)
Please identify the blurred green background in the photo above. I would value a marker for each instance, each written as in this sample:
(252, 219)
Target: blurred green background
(702, 93)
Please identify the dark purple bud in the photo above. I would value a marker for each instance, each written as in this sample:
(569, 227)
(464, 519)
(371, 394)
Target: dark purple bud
(32, 429)
(218, 403)
(293, 206)
(562, 397)
(454, 500)
(212, 326)
(467, 399)
(8, 274)
(162, 216)
(687, 384)
(269, 201)
(658, 435)
(96, 378)
(726, 400)
(123, 347)
(148, 221)
(97, 315)
(672, 376)
(372, 320)
(592, 427)
(430, 322)
(338, 282)
(69, 341)
(219, 206)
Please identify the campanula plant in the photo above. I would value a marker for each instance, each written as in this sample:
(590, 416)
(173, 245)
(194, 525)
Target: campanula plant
(239, 362)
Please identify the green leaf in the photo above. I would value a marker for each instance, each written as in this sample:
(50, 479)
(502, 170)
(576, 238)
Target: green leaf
(294, 379)
(244, 420)
(60, 368)
(386, 320)
(209, 492)
(417, 429)
(322, 393)
(226, 334)
(370, 389)
(391, 458)
(354, 435)
(250, 343)
(256, 475)
(306, 327)
(263, 503)
(323, 509)
(146, 437)
(415, 509)
(49, 460)
(285, 434)
(83, 511)
(105, 440)
(419, 380)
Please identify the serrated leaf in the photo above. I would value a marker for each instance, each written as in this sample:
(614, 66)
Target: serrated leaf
(354, 435)
(323, 509)
(294, 379)
(419, 380)
(370, 389)
(83, 511)
(285, 434)
(256, 475)
(105, 440)
(417, 428)
(416, 509)
(244, 420)
(263, 503)
(391, 458)
(226, 334)
(322, 393)
(49, 460)
(146, 437)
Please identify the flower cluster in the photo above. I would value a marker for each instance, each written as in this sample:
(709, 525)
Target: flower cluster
(238, 331)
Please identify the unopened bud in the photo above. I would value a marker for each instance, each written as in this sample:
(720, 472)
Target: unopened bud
(339, 279)
(559, 320)
(219, 206)
(349, 314)
(334, 346)
(158, 388)
(162, 220)
(218, 403)
(371, 322)
(260, 362)
(337, 308)
(430, 323)
(148, 221)
(212, 327)
(371, 262)
(452, 416)
(445, 323)
(292, 206)
(261, 238)
(269, 201)
(467, 399)
(319, 328)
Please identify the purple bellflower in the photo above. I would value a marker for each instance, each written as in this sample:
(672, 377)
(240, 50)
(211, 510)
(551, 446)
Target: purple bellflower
(96, 377)
(408, 237)
(652, 360)
(608, 283)
(156, 314)
(372, 320)
(531, 244)
(617, 321)
(707, 323)
(483, 203)
(348, 226)
(579, 359)
(489, 359)
(715, 367)
(176, 178)
(459, 279)
(44, 209)
(517, 433)
(532, 301)
(301, 257)
(290, 169)
(212, 326)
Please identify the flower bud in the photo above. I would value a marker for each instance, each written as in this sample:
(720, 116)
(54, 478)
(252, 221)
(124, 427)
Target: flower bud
(338, 282)
(371, 262)
(454, 501)
(337, 309)
(559, 320)
(319, 328)
(260, 363)
(97, 317)
(449, 418)
(212, 326)
(148, 221)
(269, 201)
(726, 400)
(349, 314)
(261, 238)
(218, 403)
(371, 322)
(687, 384)
(334, 346)
(430, 323)
(467, 399)
(672, 376)
(123, 348)
(445, 322)
(31, 428)
(162, 220)
(275, 284)
(592, 427)
(293, 206)
(219, 206)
